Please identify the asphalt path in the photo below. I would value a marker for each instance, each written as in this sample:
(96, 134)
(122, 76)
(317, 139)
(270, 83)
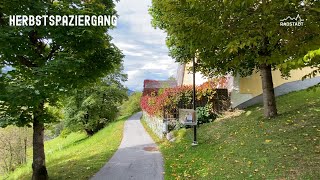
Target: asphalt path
(137, 157)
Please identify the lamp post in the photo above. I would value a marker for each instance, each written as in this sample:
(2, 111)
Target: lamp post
(195, 142)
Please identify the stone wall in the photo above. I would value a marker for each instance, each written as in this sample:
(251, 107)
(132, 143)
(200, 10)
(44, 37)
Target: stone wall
(155, 124)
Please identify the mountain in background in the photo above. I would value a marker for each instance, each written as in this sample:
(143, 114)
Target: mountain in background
(130, 92)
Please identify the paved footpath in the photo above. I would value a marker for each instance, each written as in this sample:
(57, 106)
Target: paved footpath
(133, 160)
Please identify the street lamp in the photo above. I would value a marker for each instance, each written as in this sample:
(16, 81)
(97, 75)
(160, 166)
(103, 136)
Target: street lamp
(195, 142)
(188, 117)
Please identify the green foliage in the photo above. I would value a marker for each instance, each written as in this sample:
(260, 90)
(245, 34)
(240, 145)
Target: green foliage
(248, 146)
(239, 37)
(131, 105)
(312, 59)
(77, 156)
(65, 132)
(169, 99)
(236, 36)
(55, 111)
(46, 62)
(92, 107)
(205, 114)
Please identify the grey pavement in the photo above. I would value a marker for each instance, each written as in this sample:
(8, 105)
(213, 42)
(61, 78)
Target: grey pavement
(131, 161)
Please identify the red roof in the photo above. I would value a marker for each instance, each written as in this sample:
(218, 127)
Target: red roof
(150, 86)
(159, 84)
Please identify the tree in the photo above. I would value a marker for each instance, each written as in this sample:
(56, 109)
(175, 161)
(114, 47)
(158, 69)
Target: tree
(45, 62)
(14, 142)
(92, 107)
(132, 105)
(239, 37)
(311, 59)
(172, 78)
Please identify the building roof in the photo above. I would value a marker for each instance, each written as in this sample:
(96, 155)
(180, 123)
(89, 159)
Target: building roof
(154, 84)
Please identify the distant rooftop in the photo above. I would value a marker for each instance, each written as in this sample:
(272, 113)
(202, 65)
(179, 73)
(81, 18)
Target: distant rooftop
(155, 84)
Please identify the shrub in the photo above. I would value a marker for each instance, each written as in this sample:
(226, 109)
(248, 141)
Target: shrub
(205, 114)
(132, 105)
(173, 98)
(92, 108)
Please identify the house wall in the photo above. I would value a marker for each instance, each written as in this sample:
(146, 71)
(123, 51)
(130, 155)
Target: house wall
(247, 91)
(236, 96)
(180, 74)
(188, 76)
(252, 84)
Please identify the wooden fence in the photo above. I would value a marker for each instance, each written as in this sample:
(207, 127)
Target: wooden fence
(220, 101)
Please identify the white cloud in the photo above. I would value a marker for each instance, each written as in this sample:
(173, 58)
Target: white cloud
(132, 53)
(144, 47)
(122, 45)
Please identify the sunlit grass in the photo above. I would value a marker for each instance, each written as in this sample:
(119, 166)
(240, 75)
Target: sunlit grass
(77, 156)
(252, 147)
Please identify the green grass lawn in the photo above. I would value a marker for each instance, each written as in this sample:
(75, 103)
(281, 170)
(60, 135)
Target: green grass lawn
(77, 156)
(252, 147)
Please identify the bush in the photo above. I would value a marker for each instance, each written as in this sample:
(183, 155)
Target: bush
(171, 98)
(132, 105)
(65, 132)
(205, 114)
(93, 107)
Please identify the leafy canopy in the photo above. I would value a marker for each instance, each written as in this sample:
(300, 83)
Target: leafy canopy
(237, 36)
(92, 107)
(131, 105)
(43, 63)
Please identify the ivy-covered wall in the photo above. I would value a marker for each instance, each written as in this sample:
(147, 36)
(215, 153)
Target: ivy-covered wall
(168, 99)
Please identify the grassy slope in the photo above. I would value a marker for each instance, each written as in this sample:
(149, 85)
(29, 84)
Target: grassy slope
(250, 146)
(77, 156)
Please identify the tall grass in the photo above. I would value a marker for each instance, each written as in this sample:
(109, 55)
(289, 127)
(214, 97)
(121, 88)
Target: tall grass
(77, 156)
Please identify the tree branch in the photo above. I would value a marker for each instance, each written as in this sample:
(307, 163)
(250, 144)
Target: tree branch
(35, 42)
(55, 47)
(1, 19)
(24, 61)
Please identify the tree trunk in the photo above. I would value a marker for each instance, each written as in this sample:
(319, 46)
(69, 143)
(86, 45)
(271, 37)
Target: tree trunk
(38, 165)
(25, 151)
(269, 100)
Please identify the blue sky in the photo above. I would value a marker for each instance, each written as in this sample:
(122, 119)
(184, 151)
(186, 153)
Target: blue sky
(146, 55)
